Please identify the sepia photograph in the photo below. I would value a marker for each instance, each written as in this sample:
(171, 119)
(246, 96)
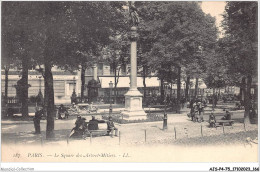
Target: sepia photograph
(129, 82)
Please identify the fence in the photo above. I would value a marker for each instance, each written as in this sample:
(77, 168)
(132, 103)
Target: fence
(175, 133)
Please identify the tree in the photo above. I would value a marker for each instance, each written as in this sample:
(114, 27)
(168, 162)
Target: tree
(17, 47)
(91, 24)
(182, 32)
(240, 44)
(116, 54)
(53, 39)
(8, 48)
(145, 42)
(66, 16)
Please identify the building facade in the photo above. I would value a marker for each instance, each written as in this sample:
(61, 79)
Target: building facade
(66, 82)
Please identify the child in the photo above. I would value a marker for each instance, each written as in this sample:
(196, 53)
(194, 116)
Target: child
(212, 120)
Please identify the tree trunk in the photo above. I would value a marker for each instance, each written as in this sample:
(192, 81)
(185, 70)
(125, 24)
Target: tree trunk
(49, 100)
(24, 87)
(83, 69)
(6, 84)
(178, 89)
(171, 91)
(196, 87)
(187, 88)
(144, 76)
(247, 102)
(213, 99)
(241, 93)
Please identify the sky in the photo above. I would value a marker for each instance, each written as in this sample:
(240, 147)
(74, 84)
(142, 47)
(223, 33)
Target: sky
(215, 9)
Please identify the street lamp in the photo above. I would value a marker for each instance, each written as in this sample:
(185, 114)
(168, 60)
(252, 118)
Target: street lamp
(110, 90)
(165, 85)
(74, 85)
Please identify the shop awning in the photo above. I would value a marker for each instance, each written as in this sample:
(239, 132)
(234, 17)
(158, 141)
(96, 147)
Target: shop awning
(124, 82)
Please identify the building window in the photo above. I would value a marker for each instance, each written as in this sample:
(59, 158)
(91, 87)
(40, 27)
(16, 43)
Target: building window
(71, 88)
(100, 69)
(252, 91)
(100, 66)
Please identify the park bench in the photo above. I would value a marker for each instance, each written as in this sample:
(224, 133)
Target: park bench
(100, 131)
(223, 122)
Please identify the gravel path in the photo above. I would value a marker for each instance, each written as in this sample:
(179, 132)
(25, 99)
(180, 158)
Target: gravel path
(181, 131)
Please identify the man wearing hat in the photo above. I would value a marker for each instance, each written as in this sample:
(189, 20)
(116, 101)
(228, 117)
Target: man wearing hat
(78, 121)
(111, 127)
(37, 119)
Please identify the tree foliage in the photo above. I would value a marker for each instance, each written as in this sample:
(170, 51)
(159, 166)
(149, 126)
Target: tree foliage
(58, 34)
(240, 42)
(182, 38)
(240, 45)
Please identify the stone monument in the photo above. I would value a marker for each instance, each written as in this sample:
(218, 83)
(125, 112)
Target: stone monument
(133, 98)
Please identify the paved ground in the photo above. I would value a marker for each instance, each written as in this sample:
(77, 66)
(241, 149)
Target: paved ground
(192, 142)
(180, 130)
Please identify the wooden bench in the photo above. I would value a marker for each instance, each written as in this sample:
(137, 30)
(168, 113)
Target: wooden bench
(102, 130)
(223, 122)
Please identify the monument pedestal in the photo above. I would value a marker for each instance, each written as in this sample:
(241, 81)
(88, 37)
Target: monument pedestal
(133, 106)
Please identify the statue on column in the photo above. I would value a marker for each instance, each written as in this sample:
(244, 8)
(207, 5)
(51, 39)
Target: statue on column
(134, 18)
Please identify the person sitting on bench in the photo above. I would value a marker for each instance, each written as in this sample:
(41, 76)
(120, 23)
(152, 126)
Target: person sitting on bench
(227, 116)
(93, 123)
(212, 120)
(111, 127)
(80, 127)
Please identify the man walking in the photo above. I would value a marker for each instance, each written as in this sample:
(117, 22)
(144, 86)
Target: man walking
(37, 119)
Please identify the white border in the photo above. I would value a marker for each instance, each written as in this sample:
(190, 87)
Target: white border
(127, 166)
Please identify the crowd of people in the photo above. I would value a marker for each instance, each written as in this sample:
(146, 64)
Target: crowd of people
(197, 109)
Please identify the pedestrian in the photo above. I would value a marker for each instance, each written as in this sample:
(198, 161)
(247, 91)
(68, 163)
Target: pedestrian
(37, 119)
(201, 111)
(111, 127)
(196, 111)
(182, 102)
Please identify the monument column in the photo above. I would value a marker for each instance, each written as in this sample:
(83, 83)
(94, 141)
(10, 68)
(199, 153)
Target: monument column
(133, 98)
(133, 75)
